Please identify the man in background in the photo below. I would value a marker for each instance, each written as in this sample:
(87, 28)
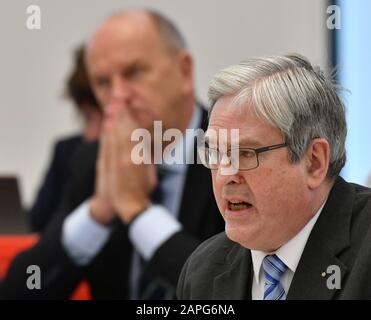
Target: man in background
(126, 229)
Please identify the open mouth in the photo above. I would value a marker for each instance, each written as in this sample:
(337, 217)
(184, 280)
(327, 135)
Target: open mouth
(235, 205)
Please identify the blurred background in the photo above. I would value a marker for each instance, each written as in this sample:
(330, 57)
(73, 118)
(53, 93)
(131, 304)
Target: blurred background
(352, 53)
(35, 64)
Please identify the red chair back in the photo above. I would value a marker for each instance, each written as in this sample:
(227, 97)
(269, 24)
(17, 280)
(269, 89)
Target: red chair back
(11, 245)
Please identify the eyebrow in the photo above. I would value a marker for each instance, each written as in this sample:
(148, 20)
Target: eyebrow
(243, 142)
(250, 142)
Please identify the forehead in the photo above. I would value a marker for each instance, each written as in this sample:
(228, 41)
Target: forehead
(227, 115)
(124, 40)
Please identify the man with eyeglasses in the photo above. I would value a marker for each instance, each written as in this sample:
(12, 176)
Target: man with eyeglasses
(294, 229)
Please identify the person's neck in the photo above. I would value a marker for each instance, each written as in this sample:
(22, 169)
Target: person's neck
(321, 195)
(308, 211)
(188, 108)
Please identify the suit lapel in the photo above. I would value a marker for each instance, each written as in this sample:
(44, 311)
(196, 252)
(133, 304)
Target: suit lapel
(310, 279)
(235, 282)
(329, 237)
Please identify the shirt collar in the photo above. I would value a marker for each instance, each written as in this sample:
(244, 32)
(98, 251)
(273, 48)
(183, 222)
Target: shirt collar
(290, 253)
(184, 147)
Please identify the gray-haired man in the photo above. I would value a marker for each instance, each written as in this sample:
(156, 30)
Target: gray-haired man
(293, 228)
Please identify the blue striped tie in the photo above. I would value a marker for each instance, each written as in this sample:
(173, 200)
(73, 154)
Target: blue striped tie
(273, 268)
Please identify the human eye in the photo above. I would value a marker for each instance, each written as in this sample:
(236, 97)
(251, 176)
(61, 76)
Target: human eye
(213, 155)
(133, 71)
(101, 82)
(247, 153)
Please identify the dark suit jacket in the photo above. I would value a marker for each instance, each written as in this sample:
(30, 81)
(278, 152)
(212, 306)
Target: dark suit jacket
(108, 273)
(53, 186)
(222, 269)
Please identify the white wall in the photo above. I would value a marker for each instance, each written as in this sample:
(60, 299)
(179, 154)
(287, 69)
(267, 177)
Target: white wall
(34, 64)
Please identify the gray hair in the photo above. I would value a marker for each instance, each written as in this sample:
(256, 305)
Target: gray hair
(290, 94)
(168, 31)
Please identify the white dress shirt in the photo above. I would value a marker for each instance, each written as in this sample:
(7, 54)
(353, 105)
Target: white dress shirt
(290, 253)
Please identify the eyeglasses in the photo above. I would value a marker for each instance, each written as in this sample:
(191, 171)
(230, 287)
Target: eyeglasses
(240, 158)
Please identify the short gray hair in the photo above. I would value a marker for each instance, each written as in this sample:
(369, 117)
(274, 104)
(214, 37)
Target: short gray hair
(290, 94)
(168, 31)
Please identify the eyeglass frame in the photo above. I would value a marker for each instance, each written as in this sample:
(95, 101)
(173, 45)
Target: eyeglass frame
(256, 150)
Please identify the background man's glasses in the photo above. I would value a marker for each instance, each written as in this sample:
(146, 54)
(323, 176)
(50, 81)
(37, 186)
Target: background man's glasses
(240, 158)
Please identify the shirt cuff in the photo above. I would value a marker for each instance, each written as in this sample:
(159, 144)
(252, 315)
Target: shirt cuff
(82, 236)
(151, 229)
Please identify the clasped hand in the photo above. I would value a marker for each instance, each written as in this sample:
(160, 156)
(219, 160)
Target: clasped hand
(122, 187)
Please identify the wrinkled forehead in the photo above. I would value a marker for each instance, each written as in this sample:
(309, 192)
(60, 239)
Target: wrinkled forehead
(232, 121)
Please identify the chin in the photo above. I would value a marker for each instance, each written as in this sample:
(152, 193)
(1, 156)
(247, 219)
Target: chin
(234, 233)
(241, 236)
(230, 234)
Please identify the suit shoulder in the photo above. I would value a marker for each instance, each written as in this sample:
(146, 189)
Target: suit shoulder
(362, 202)
(363, 194)
(68, 141)
(210, 250)
(65, 148)
(216, 241)
(205, 263)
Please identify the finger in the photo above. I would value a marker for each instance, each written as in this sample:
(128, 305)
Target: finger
(110, 111)
(117, 150)
(110, 147)
(112, 108)
(124, 128)
(126, 117)
(101, 162)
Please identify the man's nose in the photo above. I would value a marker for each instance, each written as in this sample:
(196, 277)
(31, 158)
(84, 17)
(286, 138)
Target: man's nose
(120, 90)
(119, 96)
(226, 173)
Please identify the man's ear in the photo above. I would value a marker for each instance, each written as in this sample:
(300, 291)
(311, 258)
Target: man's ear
(317, 162)
(186, 67)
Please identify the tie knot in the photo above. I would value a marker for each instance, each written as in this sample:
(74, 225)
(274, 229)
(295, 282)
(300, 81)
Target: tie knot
(273, 268)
